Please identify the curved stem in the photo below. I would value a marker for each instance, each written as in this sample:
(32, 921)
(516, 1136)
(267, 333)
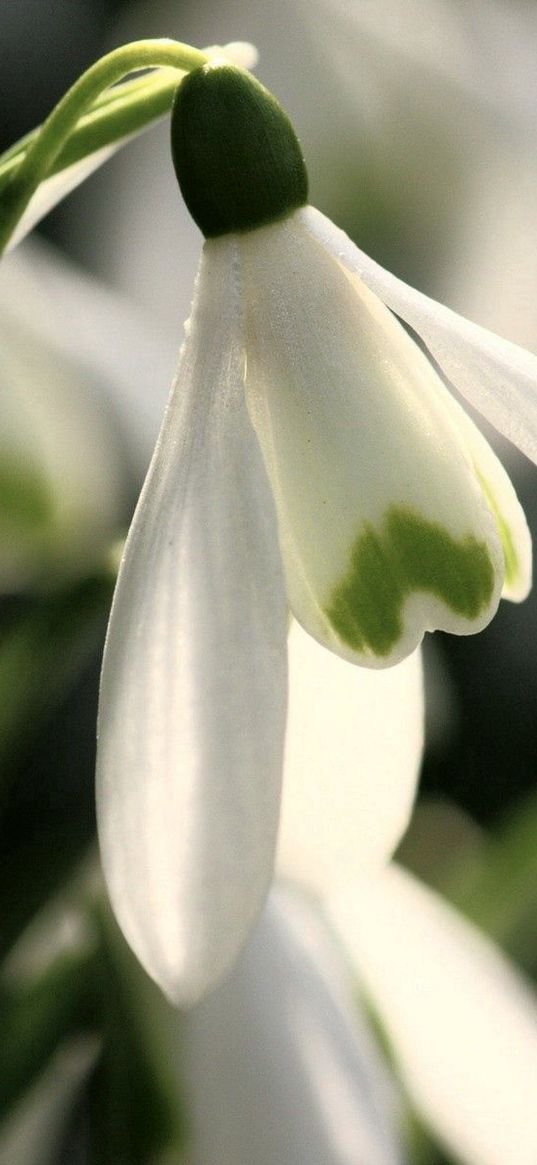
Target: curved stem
(124, 110)
(43, 151)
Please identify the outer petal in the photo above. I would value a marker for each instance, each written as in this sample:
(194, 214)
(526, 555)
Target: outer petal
(499, 492)
(194, 679)
(498, 378)
(462, 1023)
(501, 497)
(53, 189)
(352, 755)
(278, 1065)
(385, 531)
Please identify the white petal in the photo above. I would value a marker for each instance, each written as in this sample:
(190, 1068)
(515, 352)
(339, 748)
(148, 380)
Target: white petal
(497, 377)
(513, 528)
(131, 365)
(53, 189)
(59, 439)
(238, 52)
(194, 681)
(463, 1024)
(352, 755)
(502, 499)
(369, 472)
(279, 1066)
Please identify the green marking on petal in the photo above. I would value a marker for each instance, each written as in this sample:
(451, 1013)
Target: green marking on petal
(512, 565)
(409, 554)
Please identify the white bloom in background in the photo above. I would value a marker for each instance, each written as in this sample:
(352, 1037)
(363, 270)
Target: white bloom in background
(461, 1021)
(70, 311)
(278, 1064)
(64, 482)
(305, 430)
(273, 1053)
(457, 47)
(449, 128)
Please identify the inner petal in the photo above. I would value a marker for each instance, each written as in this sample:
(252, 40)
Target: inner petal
(384, 527)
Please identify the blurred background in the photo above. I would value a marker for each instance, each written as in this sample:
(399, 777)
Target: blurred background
(418, 125)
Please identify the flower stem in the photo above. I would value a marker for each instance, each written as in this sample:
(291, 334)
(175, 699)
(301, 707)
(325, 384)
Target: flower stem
(37, 155)
(118, 112)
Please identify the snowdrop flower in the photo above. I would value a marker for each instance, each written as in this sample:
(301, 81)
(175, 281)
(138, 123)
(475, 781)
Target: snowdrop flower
(438, 109)
(461, 1021)
(278, 1064)
(436, 40)
(64, 481)
(310, 458)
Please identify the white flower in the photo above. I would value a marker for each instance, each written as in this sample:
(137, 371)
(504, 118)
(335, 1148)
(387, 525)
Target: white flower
(64, 483)
(432, 50)
(278, 1064)
(462, 1022)
(305, 431)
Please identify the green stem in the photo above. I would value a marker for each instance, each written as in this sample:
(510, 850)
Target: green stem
(134, 105)
(43, 150)
(126, 108)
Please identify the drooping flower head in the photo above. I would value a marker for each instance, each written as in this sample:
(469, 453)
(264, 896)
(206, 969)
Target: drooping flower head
(311, 458)
(394, 517)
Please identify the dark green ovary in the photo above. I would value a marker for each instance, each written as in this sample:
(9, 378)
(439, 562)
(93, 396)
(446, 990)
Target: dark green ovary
(409, 554)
